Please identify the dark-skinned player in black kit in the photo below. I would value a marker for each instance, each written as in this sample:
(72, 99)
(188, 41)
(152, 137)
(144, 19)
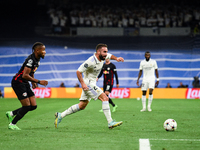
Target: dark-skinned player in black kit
(109, 70)
(22, 87)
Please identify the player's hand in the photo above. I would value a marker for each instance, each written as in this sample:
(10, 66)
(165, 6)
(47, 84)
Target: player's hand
(117, 85)
(97, 79)
(120, 59)
(34, 85)
(157, 82)
(84, 87)
(43, 82)
(137, 83)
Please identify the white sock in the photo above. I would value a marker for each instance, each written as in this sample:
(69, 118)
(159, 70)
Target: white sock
(150, 100)
(70, 110)
(11, 113)
(106, 110)
(144, 101)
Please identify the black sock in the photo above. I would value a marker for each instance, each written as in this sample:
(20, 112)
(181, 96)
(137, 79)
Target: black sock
(21, 113)
(15, 111)
(111, 102)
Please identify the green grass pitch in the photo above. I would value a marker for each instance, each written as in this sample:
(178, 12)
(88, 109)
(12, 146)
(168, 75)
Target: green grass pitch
(87, 129)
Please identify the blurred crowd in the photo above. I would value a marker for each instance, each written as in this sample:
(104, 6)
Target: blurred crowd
(195, 84)
(141, 15)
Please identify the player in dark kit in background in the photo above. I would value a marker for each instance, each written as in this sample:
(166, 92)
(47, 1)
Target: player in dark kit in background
(22, 87)
(109, 70)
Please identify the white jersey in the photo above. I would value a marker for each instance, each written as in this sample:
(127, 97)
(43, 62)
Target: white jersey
(91, 68)
(148, 68)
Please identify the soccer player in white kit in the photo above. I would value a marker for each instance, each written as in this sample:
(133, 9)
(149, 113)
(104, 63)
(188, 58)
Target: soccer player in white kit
(148, 66)
(91, 69)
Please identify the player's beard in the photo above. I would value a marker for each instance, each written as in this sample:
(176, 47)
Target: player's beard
(101, 57)
(42, 56)
(147, 59)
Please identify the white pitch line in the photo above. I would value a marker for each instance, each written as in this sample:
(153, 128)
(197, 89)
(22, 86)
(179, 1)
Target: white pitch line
(175, 139)
(144, 144)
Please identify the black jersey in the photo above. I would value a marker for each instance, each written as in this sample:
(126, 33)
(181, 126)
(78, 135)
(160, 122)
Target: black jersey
(30, 62)
(109, 71)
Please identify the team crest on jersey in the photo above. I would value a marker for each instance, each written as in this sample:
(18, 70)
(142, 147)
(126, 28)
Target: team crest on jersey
(85, 65)
(106, 72)
(24, 94)
(30, 61)
(108, 68)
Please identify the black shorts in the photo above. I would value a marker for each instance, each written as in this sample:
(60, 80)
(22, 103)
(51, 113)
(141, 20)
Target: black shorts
(107, 87)
(22, 90)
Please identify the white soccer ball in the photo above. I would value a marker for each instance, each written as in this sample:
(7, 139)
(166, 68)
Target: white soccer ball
(170, 125)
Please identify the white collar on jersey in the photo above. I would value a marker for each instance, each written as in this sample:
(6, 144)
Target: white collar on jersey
(97, 61)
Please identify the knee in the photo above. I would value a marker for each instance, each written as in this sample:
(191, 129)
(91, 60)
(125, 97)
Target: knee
(107, 93)
(82, 105)
(33, 108)
(144, 93)
(105, 98)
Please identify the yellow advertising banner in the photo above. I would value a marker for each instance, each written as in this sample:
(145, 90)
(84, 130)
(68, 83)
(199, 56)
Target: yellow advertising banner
(158, 93)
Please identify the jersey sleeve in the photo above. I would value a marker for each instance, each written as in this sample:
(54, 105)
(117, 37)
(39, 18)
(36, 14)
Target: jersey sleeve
(85, 66)
(108, 56)
(29, 63)
(156, 66)
(140, 68)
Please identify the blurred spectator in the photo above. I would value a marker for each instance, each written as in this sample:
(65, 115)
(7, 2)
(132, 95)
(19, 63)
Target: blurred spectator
(74, 20)
(81, 20)
(168, 85)
(77, 85)
(63, 22)
(167, 21)
(55, 22)
(196, 30)
(62, 84)
(1, 94)
(182, 86)
(187, 18)
(195, 83)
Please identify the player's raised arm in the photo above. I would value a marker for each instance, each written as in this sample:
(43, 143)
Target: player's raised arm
(118, 59)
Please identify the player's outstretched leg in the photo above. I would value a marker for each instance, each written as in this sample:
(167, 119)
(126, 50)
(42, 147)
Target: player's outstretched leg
(114, 123)
(8, 115)
(58, 119)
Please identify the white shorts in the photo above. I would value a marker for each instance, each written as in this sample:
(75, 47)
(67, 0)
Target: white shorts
(147, 84)
(93, 93)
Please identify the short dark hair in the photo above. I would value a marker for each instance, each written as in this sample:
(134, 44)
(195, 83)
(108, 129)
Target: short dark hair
(100, 45)
(36, 44)
(147, 52)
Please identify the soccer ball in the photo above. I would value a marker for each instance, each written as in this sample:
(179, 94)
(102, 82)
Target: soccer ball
(170, 125)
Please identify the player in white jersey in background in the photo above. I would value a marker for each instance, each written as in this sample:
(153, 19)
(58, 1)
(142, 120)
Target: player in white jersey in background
(91, 69)
(149, 68)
